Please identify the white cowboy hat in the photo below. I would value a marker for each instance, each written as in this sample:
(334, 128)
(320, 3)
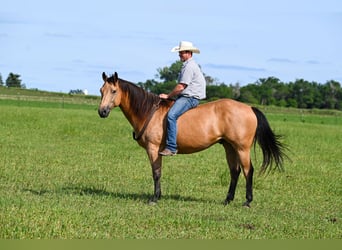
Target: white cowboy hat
(183, 46)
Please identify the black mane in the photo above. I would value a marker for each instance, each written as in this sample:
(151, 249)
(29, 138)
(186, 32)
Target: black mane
(141, 101)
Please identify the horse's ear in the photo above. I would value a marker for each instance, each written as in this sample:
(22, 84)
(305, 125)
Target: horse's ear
(104, 77)
(116, 77)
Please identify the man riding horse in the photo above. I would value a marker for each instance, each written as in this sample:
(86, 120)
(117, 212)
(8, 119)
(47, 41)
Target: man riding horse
(190, 89)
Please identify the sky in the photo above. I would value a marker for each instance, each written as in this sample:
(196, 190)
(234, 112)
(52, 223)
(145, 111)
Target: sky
(66, 45)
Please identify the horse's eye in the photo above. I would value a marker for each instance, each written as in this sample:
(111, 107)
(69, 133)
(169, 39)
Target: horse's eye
(113, 91)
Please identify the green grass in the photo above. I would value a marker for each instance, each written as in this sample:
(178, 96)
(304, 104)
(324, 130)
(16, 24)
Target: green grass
(67, 174)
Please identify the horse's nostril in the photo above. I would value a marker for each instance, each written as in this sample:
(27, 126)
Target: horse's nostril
(103, 112)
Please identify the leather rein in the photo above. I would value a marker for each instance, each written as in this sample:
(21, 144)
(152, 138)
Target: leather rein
(147, 121)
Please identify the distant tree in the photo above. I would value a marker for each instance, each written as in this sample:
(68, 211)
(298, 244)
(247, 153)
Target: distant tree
(236, 90)
(170, 74)
(13, 80)
(209, 80)
(249, 94)
(303, 92)
(221, 91)
(149, 85)
(76, 92)
(281, 94)
(165, 87)
(317, 95)
(1, 82)
(291, 103)
(332, 95)
(267, 90)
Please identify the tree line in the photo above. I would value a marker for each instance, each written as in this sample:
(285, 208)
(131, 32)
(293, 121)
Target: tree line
(265, 91)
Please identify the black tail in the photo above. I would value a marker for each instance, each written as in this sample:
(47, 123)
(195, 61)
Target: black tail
(272, 148)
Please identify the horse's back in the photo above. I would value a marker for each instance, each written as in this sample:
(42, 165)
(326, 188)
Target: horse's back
(211, 122)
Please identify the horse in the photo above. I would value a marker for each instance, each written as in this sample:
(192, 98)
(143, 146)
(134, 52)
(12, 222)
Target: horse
(235, 125)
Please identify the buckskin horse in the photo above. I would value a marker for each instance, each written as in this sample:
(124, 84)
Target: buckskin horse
(235, 125)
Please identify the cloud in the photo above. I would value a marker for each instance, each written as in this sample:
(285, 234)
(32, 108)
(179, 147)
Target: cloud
(63, 69)
(281, 60)
(289, 61)
(10, 20)
(57, 35)
(78, 61)
(13, 17)
(233, 67)
(312, 62)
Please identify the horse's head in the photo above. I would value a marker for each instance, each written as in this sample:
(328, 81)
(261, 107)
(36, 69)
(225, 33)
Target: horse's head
(110, 94)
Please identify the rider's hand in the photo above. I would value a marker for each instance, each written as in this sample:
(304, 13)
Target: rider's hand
(164, 96)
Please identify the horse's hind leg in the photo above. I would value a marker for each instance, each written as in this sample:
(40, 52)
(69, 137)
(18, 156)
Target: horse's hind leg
(248, 170)
(234, 167)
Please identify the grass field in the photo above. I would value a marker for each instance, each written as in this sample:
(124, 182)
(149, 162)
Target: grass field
(67, 174)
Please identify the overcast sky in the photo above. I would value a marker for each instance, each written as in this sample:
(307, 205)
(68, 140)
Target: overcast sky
(63, 45)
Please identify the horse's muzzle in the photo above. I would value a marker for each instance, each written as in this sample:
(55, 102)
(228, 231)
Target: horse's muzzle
(104, 112)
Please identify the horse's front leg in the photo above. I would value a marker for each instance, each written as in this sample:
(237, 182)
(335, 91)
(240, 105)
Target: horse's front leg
(156, 173)
(156, 164)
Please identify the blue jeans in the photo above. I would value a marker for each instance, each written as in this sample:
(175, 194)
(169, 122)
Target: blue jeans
(181, 105)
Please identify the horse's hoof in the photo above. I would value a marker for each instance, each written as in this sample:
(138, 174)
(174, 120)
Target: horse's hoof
(246, 204)
(152, 202)
(226, 202)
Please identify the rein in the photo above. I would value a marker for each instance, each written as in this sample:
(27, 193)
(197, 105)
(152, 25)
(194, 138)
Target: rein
(147, 121)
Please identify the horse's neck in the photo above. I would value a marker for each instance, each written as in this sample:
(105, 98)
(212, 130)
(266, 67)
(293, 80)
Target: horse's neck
(130, 115)
(137, 114)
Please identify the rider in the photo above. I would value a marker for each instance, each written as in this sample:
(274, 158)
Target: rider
(191, 87)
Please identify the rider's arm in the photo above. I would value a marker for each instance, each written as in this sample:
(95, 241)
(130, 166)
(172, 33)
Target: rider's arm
(175, 92)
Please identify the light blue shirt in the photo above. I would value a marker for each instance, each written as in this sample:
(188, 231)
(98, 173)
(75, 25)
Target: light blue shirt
(192, 76)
